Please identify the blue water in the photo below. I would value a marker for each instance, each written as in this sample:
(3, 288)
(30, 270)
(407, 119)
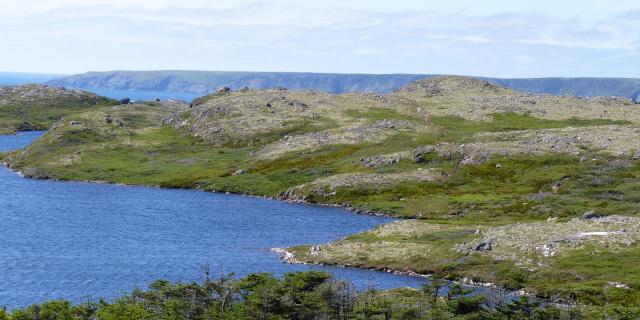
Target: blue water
(19, 140)
(13, 79)
(74, 240)
(138, 95)
(134, 95)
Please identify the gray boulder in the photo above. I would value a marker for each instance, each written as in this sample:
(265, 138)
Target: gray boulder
(35, 173)
(420, 152)
(484, 246)
(224, 89)
(590, 215)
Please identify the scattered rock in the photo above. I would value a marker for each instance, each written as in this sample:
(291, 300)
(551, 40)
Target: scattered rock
(379, 161)
(314, 250)
(539, 196)
(475, 158)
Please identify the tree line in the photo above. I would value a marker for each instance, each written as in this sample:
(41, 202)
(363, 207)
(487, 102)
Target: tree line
(305, 295)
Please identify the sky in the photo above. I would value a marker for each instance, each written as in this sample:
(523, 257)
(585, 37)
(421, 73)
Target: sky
(496, 38)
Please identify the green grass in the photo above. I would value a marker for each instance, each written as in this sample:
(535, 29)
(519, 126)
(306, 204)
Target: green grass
(39, 115)
(455, 128)
(591, 274)
(464, 198)
(377, 114)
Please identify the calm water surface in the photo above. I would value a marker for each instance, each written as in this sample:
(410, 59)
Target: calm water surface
(135, 95)
(73, 240)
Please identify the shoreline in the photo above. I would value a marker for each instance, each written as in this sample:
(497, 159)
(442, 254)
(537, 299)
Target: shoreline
(285, 255)
(290, 258)
(349, 208)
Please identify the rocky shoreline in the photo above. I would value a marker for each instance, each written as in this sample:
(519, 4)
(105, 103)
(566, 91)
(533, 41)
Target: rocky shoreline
(40, 175)
(289, 257)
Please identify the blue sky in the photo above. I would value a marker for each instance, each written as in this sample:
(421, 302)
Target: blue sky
(488, 38)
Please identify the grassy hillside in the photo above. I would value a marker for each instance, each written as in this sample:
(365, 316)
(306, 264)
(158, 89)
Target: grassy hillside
(36, 107)
(494, 183)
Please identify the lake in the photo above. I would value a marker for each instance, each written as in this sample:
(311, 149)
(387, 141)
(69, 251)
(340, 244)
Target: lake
(78, 240)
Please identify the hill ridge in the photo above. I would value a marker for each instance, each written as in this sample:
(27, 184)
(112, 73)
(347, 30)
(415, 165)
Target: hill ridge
(202, 82)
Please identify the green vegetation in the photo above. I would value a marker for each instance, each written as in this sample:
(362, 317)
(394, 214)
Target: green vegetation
(478, 169)
(33, 107)
(587, 271)
(306, 295)
(460, 130)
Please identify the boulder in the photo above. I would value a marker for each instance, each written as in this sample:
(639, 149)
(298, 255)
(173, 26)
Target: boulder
(26, 126)
(419, 153)
(484, 246)
(239, 172)
(590, 215)
(224, 89)
(35, 173)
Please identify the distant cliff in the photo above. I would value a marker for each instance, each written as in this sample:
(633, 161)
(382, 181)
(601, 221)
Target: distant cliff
(201, 82)
(584, 87)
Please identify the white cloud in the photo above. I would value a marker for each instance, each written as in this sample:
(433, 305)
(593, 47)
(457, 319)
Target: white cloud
(75, 36)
